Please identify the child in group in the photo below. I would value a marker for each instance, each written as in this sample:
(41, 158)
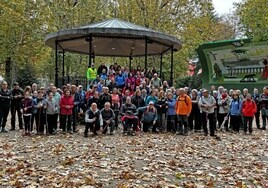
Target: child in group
(249, 108)
(27, 109)
(51, 113)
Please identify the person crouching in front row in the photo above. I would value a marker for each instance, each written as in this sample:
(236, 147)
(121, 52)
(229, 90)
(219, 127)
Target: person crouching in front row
(93, 120)
(149, 117)
(108, 117)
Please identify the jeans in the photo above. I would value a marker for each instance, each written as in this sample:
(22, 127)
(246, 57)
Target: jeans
(183, 124)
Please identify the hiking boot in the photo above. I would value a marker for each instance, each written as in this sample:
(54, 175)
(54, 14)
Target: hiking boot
(3, 130)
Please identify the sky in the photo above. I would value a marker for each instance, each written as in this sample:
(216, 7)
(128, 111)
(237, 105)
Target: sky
(224, 6)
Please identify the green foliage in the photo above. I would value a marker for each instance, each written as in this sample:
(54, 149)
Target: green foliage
(26, 76)
(254, 18)
(24, 25)
(193, 82)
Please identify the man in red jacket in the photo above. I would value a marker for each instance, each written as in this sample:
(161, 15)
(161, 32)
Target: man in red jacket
(249, 108)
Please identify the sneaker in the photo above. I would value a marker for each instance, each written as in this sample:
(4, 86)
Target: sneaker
(85, 135)
(133, 134)
(3, 130)
(263, 128)
(206, 134)
(70, 132)
(95, 133)
(186, 134)
(125, 133)
(12, 129)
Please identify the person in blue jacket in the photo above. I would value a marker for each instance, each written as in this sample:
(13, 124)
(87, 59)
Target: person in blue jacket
(171, 113)
(235, 112)
(120, 80)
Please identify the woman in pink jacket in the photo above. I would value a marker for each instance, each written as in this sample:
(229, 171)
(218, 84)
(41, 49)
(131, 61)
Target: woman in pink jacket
(249, 108)
(66, 111)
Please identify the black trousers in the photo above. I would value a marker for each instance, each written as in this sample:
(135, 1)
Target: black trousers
(212, 123)
(32, 122)
(235, 122)
(16, 108)
(171, 120)
(27, 123)
(40, 119)
(248, 124)
(3, 115)
(93, 127)
(74, 118)
(130, 121)
(65, 122)
(194, 119)
(52, 122)
(146, 126)
(221, 119)
(257, 119)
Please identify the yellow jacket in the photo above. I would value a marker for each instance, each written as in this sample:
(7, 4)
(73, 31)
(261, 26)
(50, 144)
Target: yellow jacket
(91, 73)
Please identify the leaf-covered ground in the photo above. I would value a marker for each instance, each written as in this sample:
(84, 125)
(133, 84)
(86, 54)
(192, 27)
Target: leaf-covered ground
(145, 160)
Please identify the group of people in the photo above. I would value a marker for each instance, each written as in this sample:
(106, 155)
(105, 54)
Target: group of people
(134, 98)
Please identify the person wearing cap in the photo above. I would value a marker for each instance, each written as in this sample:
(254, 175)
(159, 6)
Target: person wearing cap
(183, 109)
(17, 94)
(5, 99)
(149, 117)
(91, 73)
(207, 105)
(156, 82)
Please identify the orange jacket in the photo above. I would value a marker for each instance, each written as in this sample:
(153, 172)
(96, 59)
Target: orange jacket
(183, 105)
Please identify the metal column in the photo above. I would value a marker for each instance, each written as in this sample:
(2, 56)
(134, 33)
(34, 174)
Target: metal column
(146, 51)
(63, 65)
(171, 67)
(56, 65)
(161, 65)
(90, 49)
(130, 60)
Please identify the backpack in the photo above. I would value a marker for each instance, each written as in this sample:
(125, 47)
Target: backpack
(183, 100)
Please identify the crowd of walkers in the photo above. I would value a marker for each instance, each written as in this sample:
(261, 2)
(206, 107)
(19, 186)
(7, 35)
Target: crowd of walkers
(136, 99)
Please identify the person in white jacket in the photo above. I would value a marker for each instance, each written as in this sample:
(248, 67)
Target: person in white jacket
(224, 106)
